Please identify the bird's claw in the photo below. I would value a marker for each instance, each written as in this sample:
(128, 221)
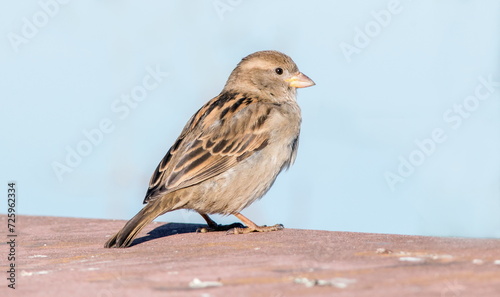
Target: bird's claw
(217, 228)
(263, 228)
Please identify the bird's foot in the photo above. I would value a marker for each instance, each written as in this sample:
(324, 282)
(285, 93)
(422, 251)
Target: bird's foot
(239, 230)
(217, 227)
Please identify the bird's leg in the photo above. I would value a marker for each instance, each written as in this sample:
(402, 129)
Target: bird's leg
(252, 227)
(213, 226)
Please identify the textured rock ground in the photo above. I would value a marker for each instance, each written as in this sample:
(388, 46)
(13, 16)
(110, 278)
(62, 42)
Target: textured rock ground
(64, 257)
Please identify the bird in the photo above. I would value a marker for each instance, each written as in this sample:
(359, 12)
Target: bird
(231, 150)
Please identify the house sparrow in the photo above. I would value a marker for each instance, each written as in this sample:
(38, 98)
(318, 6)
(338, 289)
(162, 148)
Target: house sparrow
(230, 151)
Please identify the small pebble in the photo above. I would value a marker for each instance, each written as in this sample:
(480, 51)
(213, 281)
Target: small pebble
(38, 256)
(441, 257)
(411, 259)
(383, 251)
(198, 284)
(337, 282)
(477, 261)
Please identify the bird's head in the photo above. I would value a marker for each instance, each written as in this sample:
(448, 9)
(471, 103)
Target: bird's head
(268, 73)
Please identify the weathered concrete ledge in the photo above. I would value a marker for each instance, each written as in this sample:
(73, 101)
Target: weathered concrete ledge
(65, 257)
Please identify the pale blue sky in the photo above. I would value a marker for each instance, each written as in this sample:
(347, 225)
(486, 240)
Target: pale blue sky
(398, 82)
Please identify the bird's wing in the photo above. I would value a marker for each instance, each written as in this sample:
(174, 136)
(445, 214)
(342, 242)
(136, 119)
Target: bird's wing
(225, 131)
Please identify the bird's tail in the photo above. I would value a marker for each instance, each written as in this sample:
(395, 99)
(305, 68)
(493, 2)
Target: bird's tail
(126, 235)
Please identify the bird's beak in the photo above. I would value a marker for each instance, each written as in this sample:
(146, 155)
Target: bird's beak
(300, 80)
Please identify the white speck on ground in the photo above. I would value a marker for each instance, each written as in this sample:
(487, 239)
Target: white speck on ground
(198, 284)
(383, 251)
(477, 261)
(337, 282)
(28, 273)
(411, 259)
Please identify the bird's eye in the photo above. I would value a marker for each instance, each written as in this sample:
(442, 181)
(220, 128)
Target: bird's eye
(278, 71)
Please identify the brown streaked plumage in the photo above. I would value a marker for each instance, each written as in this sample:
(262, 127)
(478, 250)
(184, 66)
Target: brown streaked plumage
(230, 151)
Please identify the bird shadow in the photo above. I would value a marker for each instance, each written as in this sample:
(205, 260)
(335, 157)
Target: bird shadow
(168, 229)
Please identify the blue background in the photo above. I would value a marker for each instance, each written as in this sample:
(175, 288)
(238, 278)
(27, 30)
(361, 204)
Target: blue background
(389, 75)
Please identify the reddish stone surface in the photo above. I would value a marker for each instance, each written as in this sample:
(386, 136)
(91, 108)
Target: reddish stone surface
(64, 257)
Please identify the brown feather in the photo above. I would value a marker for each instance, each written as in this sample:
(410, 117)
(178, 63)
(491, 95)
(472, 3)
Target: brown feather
(197, 155)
